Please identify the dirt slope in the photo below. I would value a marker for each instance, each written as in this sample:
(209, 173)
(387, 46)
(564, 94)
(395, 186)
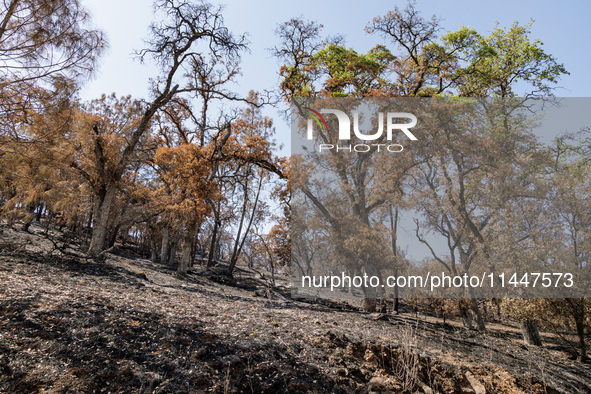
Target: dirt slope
(68, 325)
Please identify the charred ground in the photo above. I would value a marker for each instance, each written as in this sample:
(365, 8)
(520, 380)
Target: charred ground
(70, 325)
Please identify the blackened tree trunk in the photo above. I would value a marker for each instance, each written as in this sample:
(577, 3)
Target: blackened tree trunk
(582, 345)
(214, 234)
(186, 256)
(173, 252)
(369, 304)
(112, 236)
(394, 226)
(103, 203)
(466, 316)
(240, 243)
(29, 218)
(153, 248)
(165, 250)
(578, 309)
(370, 300)
(187, 249)
(39, 213)
(530, 332)
(476, 309)
(153, 251)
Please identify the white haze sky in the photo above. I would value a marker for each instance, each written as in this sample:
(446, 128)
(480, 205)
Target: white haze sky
(563, 27)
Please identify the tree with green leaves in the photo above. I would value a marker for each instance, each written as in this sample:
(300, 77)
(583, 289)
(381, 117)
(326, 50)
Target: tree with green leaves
(424, 64)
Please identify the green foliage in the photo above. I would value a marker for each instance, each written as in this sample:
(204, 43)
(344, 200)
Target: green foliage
(493, 65)
(349, 73)
(462, 62)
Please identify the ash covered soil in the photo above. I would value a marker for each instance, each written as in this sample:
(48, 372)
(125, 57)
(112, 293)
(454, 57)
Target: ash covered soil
(125, 325)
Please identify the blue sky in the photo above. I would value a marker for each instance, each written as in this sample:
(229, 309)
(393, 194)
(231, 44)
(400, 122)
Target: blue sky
(562, 27)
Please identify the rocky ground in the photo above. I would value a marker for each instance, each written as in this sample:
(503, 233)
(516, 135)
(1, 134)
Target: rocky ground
(125, 325)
